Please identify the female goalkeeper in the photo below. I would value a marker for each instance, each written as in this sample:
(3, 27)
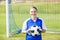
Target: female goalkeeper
(33, 20)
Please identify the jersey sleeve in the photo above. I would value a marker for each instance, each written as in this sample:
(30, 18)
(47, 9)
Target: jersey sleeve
(43, 25)
(24, 27)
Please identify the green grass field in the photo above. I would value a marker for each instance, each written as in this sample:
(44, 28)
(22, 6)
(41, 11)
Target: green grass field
(49, 12)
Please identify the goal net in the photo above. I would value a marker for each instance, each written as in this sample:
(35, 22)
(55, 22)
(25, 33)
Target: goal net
(11, 26)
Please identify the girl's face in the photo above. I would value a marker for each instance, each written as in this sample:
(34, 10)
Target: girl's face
(33, 12)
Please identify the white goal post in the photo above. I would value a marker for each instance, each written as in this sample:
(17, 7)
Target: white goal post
(7, 18)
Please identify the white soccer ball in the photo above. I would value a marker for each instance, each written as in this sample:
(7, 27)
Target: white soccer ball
(34, 31)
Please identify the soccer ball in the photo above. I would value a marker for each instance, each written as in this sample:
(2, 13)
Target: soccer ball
(34, 31)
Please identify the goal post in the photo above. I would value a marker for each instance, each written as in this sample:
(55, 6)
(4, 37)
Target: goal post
(7, 17)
